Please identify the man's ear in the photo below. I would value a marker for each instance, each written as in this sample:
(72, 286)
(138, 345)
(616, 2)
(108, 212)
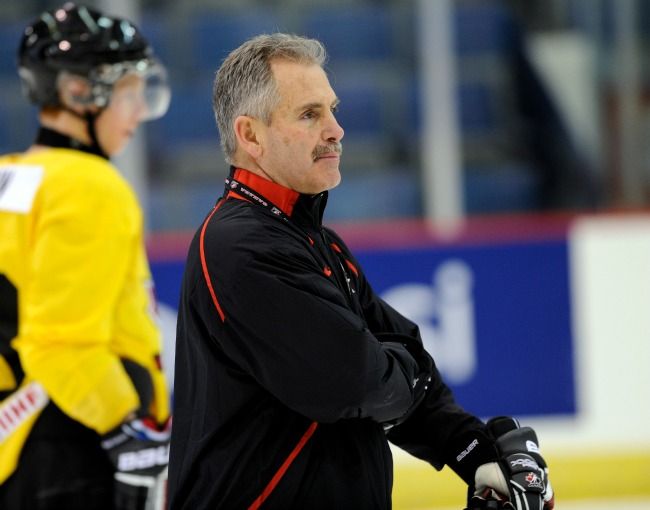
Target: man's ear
(247, 133)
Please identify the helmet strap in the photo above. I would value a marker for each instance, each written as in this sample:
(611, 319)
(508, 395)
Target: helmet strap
(91, 124)
(90, 119)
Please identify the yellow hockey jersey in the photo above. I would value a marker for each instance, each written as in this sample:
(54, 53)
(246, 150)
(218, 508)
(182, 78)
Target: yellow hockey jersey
(71, 243)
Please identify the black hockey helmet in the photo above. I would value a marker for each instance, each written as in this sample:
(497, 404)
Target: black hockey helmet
(80, 41)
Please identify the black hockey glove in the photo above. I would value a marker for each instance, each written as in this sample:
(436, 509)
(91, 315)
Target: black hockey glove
(139, 451)
(518, 480)
(139, 446)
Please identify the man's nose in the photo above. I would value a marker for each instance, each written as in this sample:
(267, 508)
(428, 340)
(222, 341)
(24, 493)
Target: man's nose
(333, 131)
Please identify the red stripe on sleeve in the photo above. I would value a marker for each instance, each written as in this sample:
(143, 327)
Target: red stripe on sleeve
(204, 265)
(283, 468)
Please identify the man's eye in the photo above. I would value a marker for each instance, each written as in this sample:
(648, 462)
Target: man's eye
(309, 114)
(335, 109)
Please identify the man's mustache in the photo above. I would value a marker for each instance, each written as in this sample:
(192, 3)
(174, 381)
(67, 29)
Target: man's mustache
(320, 150)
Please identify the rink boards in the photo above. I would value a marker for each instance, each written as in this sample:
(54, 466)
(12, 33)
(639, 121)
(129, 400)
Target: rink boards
(545, 318)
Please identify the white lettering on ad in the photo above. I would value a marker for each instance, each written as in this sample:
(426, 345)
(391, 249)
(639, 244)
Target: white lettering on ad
(444, 312)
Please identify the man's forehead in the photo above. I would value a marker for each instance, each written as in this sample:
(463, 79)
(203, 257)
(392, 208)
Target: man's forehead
(297, 80)
(281, 63)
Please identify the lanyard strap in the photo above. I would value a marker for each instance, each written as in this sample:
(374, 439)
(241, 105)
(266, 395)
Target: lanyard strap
(245, 191)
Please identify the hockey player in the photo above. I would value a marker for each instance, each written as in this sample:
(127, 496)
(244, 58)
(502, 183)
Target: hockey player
(292, 375)
(84, 411)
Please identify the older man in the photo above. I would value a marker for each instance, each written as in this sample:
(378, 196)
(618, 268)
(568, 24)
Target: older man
(291, 373)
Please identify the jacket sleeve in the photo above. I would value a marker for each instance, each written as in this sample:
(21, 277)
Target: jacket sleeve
(289, 327)
(435, 430)
(79, 262)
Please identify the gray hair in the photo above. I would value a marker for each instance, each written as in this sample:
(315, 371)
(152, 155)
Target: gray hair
(244, 83)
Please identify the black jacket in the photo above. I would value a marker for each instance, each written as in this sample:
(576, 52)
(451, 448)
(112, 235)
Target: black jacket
(289, 367)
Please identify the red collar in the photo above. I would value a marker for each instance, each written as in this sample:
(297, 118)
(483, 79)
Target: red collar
(282, 197)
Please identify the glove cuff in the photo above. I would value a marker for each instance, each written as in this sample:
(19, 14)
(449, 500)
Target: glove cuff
(468, 451)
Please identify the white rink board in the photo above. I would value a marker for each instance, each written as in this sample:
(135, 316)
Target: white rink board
(610, 268)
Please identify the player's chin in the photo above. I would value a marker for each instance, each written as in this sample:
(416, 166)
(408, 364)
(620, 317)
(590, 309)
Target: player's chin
(117, 145)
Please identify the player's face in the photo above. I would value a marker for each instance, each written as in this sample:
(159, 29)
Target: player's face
(117, 123)
(301, 148)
